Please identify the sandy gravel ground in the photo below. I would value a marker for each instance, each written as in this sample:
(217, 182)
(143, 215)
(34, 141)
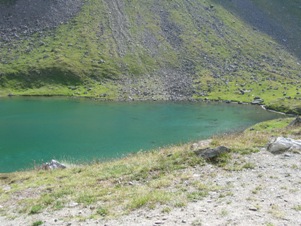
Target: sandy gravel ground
(268, 193)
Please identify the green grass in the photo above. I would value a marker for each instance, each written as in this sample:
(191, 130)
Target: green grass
(102, 212)
(297, 208)
(37, 223)
(197, 195)
(131, 183)
(35, 209)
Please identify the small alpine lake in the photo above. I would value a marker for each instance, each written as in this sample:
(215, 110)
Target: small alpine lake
(36, 130)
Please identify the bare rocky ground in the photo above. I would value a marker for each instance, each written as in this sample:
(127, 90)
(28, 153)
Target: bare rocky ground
(21, 18)
(268, 192)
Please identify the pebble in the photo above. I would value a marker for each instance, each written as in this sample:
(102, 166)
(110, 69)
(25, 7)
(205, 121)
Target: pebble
(252, 208)
(73, 204)
(6, 188)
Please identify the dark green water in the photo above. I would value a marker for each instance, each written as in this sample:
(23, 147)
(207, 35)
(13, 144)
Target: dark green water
(41, 129)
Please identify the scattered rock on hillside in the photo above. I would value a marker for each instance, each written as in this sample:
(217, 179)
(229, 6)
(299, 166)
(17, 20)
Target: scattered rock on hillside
(296, 122)
(24, 17)
(257, 101)
(53, 165)
(200, 144)
(281, 144)
(209, 153)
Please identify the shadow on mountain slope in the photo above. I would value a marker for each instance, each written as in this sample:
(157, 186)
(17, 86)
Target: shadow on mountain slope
(279, 19)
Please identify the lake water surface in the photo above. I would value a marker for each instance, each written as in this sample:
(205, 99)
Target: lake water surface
(35, 130)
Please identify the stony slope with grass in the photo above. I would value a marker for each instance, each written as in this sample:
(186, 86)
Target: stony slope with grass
(124, 50)
(275, 18)
(170, 186)
(151, 49)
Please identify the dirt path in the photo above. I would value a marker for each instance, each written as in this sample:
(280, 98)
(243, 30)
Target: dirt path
(267, 192)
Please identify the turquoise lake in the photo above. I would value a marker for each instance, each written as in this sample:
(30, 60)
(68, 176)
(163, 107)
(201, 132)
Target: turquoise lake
(36, 130)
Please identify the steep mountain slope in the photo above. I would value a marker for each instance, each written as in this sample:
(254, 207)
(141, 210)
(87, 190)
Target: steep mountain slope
(280, 20)
(173, 49)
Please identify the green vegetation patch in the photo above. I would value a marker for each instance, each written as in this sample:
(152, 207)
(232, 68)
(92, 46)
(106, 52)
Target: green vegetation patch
(137, 181)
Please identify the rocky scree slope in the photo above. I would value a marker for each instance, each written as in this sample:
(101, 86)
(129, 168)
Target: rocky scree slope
(279, 20)
(148, 50)
(23, 18)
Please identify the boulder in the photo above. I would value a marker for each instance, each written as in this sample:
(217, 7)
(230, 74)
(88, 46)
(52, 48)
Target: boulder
(280, 144)
(257, 101)
(209, 153)
(201, 144)
(296, 122)
(53, 165)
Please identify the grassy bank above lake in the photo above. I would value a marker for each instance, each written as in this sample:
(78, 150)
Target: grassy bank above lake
(161, 179)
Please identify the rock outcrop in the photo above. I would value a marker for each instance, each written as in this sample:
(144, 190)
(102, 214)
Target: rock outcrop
(281, 144)
(53, 165)
(210, 153)
(296, 122)
(200, 144)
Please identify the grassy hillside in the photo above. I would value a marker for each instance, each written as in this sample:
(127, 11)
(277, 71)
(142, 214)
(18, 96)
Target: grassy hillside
(155, 49)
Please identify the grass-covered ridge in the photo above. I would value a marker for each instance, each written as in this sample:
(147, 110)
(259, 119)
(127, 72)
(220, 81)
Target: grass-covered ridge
(157, 179)
(215, 52)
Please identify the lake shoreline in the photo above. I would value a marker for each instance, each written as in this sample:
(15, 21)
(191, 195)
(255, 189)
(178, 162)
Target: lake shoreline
(169, 185)
(63, 128)
(273, 109)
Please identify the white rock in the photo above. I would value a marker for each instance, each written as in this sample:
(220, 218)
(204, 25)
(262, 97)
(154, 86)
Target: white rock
(281, 144)
(72, 204)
